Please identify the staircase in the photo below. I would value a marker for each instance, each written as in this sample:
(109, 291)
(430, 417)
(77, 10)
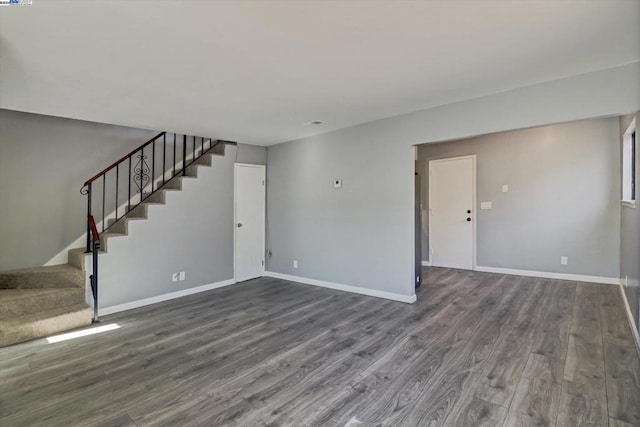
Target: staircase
(38, 302)
(42, 301)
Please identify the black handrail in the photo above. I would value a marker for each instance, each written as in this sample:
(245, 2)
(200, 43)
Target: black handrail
(141, 172)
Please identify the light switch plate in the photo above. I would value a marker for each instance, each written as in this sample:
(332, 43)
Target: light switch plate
(485, 205)
(337, 183)
(505, 188)
(182, 276)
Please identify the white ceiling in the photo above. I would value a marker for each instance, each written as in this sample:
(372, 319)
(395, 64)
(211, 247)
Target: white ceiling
(259, 71)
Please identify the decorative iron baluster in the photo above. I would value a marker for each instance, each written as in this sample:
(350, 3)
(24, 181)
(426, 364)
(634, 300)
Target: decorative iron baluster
(141, 173)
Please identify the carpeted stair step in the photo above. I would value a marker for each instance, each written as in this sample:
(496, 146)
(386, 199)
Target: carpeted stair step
(139, 212)
(43, 324)
(121, 225)
(174, 184)
(104, 239)
(192, 171)
(204, 160)
(155, 198)
(219, 149)
(76, 258)
(19, 302)
(56, 276)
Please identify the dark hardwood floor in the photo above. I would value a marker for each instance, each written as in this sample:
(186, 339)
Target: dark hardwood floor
(476, 349)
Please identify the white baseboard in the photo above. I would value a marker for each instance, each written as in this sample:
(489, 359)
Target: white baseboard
(549, 275)
(159, 298)
(425, 263)
(346, 288)
(634, 329)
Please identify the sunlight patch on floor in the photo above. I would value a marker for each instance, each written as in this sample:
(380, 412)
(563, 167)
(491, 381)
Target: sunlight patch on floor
(82, 333)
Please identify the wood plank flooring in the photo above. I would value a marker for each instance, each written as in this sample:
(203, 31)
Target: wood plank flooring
(476, 349)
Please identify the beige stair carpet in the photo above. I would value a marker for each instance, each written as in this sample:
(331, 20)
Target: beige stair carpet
(38, 302)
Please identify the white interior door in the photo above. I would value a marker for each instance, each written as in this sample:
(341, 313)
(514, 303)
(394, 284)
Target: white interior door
(451, 212)
(249, 224)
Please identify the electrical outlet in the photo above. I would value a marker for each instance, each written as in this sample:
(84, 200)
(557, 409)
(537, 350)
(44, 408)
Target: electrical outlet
(175, 277)
(564, 260)
(295, 263)
(182, 276)
(625, 282)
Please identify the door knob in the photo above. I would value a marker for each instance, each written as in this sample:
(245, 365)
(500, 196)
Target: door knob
(239, 224)
(468, 219)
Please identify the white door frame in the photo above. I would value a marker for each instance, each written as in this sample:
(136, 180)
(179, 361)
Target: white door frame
(474, 210)
(264, 212)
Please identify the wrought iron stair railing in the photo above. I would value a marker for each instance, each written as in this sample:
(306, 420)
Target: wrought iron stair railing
(125, 184)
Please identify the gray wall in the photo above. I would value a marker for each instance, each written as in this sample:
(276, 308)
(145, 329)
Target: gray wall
(192, 232)
(331, 231)
(630, 233)
(362, 235)
(564, 182)
(43, 162)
